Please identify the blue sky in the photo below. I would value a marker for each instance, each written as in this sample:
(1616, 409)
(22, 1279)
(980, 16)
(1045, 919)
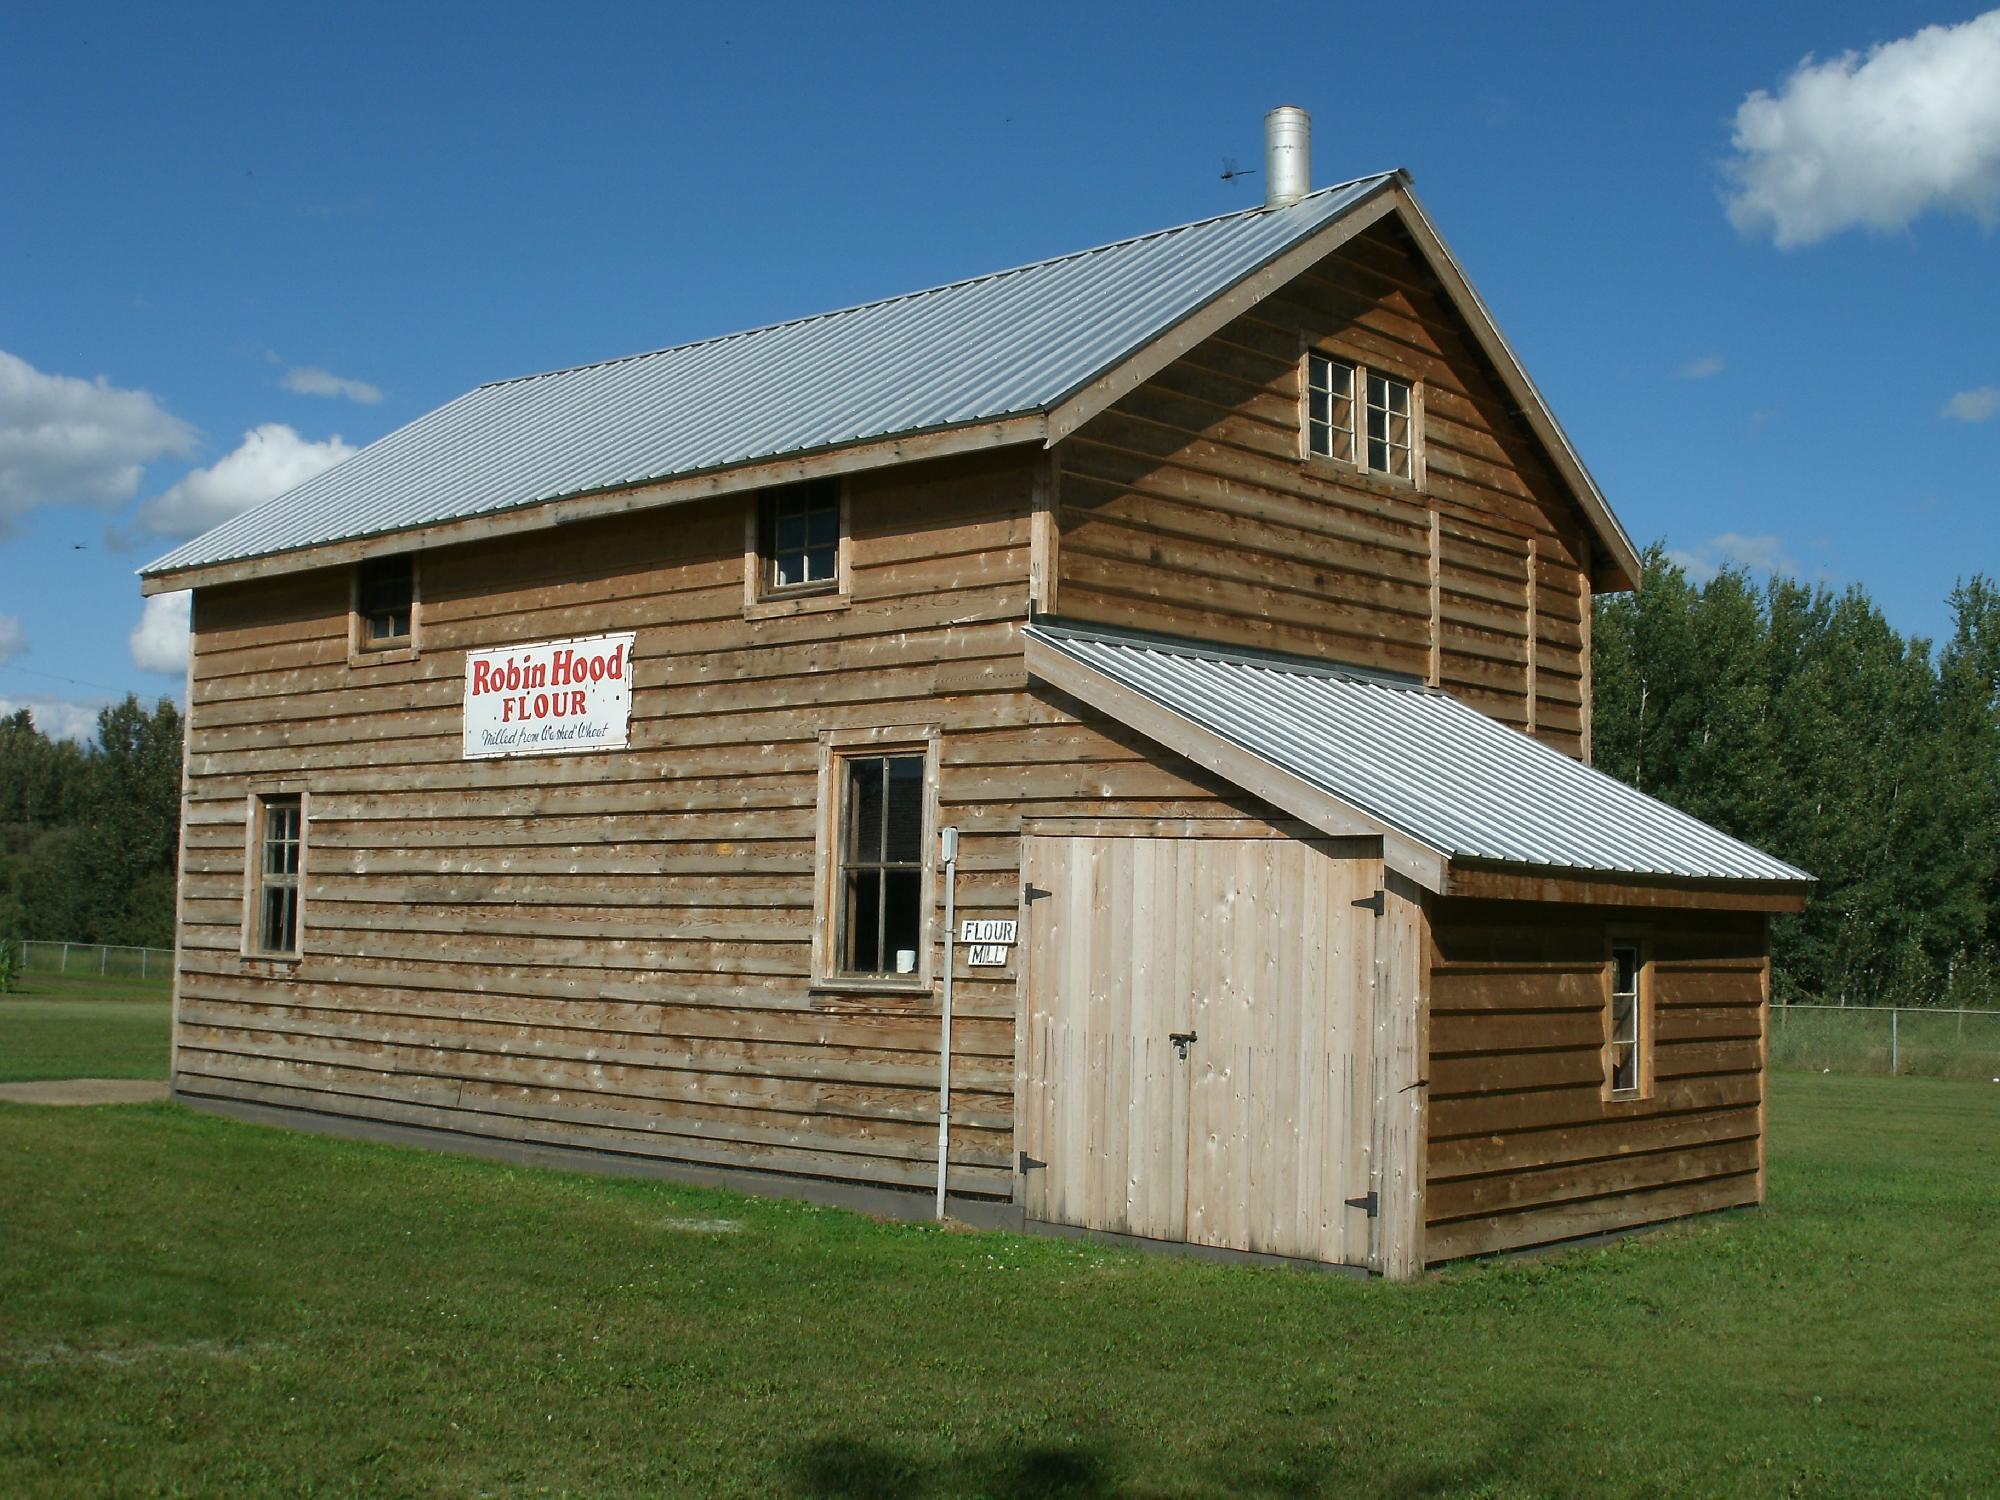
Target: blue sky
(236, 242)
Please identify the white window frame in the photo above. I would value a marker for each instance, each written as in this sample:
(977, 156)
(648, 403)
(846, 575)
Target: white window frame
(1359, 399)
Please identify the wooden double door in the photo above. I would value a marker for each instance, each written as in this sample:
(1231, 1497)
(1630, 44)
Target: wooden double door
(1195, 1041)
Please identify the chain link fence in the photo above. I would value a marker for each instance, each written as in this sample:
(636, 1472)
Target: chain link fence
(1912, 1041)
(105, 960)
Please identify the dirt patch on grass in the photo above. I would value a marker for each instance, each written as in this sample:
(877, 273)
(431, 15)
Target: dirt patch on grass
(85, 1091)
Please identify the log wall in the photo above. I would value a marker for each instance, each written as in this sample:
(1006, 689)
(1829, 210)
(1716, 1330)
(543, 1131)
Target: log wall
(612, 949)
(1524, 1148)
(1186, 507)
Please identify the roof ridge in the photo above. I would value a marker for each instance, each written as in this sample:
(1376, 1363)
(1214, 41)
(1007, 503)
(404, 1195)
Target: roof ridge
(929, 291)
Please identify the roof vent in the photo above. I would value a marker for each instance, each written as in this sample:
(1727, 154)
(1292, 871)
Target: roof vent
(1287, 156)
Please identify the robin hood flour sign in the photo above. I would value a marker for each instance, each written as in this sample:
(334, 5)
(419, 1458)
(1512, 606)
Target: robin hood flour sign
(555, 698)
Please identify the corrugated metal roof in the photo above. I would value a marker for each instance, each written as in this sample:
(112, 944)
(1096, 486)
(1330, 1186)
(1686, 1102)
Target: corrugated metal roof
(1006, 344)
(1420, 761)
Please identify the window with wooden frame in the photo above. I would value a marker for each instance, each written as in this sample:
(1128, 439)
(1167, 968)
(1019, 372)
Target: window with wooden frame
(385, 604)
(795, 549)
(1356, 414)
(876, 868)
(1626, 1063)
(277, 849)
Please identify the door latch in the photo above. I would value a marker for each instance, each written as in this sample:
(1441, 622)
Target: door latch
(1181, 1039)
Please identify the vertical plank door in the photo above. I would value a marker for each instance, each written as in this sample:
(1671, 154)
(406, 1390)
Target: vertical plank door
(1250, 1136)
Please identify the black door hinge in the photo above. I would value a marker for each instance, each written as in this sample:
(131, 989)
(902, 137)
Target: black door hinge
(1035, 893)
(1028, 1163)
(1376, 903)
(1367, 1201)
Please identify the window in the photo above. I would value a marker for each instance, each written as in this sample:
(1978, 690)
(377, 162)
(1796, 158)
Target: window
(1389, 404)
(798, 537)
(385, 603)
(876, 860)
(278, 840)
(1627, 1072)
(1330, 408)
(1388, 425)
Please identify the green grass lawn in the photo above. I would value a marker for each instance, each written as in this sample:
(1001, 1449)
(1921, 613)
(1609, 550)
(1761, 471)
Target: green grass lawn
(194, 1306)
(52, 1027)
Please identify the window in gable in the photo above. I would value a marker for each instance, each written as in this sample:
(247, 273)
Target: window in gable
(1334, 388)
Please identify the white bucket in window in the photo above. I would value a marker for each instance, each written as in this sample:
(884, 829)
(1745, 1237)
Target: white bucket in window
(906, 960)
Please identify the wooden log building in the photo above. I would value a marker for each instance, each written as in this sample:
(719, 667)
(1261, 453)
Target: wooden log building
(571, 769)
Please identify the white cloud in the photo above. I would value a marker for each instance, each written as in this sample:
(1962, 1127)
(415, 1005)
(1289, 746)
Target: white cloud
(70, 441)
(1982, 405)
(160, 640)
(13, 639)
(1701, 369)
(1756, 554)
(58, 718)
(309, 381)
(270, 460)
(1874, 140)
(1698, 569)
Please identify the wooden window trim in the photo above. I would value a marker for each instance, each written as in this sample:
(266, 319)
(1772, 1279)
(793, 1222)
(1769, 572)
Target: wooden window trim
(359, 652)
(257, 806)
(763, 603)
(836, 747)
(1647, 1031)
(1358, 465)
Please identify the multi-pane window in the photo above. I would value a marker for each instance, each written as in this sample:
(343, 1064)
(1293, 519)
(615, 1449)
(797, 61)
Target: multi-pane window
(280, 836)
(1385, 444)
(798, 537)
(881, 892)
(1330, 408)
(1625, 1043)
(385, 601)
(1388, 425)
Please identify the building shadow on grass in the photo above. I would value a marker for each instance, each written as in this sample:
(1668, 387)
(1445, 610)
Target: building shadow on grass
(853, 1469)
(845, 1468)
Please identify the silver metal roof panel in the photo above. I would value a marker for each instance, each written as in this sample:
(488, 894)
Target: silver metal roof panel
(1419, 760)
(1001, 345)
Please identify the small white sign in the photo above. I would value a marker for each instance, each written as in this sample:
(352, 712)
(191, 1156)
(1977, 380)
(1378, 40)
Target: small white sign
(552, 698)
(987, 932)
(989, 954)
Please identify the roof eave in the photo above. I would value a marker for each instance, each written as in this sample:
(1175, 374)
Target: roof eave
(564, 510)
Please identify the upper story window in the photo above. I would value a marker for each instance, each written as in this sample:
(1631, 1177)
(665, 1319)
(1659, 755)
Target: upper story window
(1384, 442)
(385, 603)
(796, 550)
(798, 536)
(1627, 1037)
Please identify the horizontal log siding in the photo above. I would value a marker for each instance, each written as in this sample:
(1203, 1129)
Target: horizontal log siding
(612, 950)
(1185, 507)
(1523, 1147)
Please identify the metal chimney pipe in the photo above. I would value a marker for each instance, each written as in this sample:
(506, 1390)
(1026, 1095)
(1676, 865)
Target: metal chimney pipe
(1287, 156)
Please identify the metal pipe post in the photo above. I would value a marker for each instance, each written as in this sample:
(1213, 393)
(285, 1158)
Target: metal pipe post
(949, 837)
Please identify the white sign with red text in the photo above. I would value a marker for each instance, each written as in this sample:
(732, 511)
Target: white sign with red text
(552, 698)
